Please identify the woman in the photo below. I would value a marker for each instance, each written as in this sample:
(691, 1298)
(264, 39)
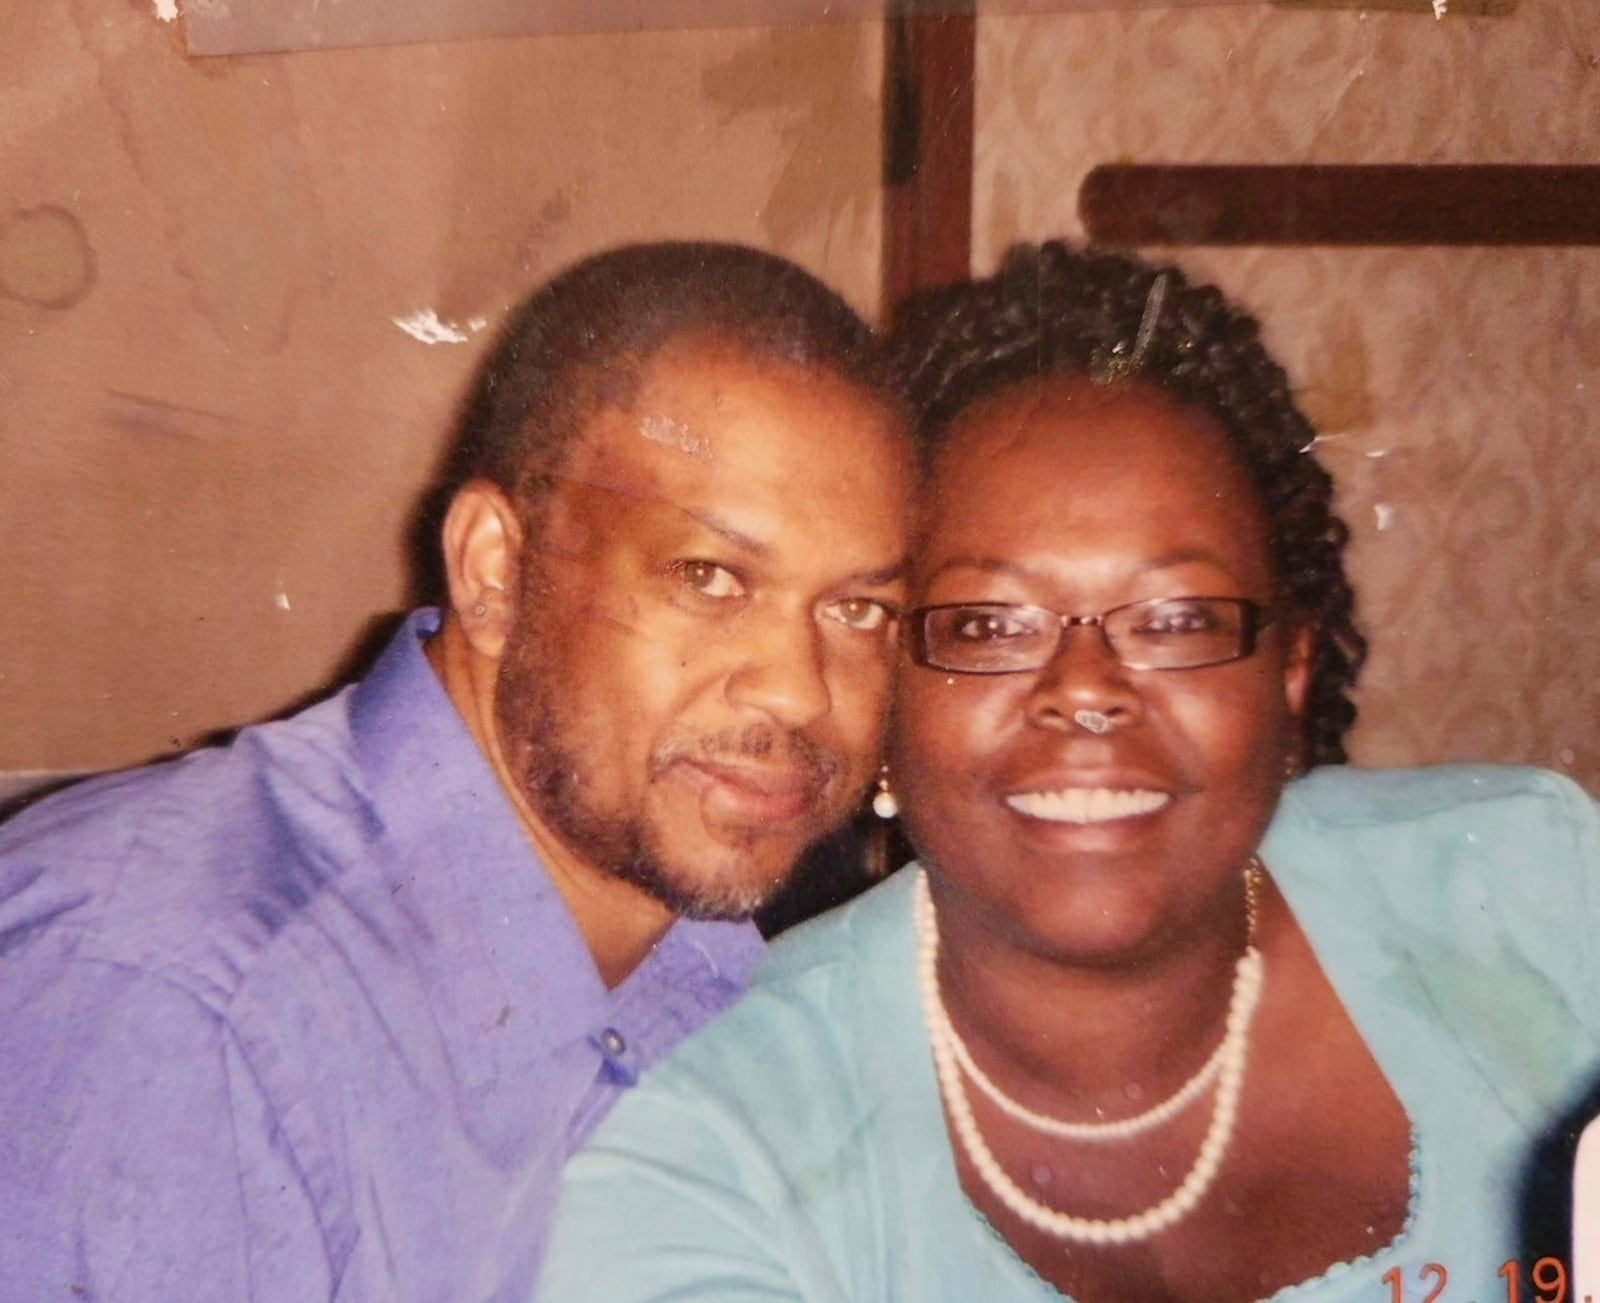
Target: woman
(1148, 1020)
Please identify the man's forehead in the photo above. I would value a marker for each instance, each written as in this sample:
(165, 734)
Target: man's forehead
(715, 382)
(769, 456)
(639, 449)
(706, 410)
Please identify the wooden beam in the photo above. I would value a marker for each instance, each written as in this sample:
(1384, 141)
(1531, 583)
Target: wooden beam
(1453, 8)
(1341, 204)
(928, 126)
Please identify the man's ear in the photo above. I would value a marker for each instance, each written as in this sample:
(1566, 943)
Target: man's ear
(482, 543)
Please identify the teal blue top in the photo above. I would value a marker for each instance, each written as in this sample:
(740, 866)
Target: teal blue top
(796, 1149)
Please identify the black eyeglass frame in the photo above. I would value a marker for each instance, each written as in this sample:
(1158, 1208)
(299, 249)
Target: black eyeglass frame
(1255, 616)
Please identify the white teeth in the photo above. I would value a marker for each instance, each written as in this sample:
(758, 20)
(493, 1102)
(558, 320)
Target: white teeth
(1086, 804)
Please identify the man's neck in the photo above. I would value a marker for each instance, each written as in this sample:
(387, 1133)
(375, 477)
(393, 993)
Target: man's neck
(620, 922)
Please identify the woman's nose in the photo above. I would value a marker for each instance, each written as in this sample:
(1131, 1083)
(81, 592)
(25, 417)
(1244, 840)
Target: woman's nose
(1083, 677)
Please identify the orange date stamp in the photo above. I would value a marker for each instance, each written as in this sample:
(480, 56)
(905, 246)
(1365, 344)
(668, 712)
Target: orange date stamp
(1547, 1281)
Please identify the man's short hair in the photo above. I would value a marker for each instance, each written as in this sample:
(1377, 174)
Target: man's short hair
(582, 342)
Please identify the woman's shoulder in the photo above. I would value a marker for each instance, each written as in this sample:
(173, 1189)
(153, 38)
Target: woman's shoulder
(1440, 847)
(820, 989)
(783, 1083)
(1499, 796)
(853, 935)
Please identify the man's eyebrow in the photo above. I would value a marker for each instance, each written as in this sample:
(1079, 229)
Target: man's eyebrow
(705, 519)
(710, 520)
(886, 575)
(878, 578)
(755, 547)
(723, 530)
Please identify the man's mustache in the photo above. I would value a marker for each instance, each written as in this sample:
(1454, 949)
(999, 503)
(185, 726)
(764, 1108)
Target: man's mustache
(760, 743)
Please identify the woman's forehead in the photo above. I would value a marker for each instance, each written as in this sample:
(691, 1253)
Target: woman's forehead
(1084, 438)
(1074, 466)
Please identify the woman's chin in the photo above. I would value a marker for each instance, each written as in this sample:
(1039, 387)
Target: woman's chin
(1096, 916)
(1114, 938)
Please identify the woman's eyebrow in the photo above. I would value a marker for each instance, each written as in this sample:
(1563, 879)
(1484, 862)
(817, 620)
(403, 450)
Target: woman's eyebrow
(988, 565)
(1001, 566)
(1182, 557)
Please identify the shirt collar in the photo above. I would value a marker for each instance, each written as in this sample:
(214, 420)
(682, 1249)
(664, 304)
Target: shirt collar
(460, 862)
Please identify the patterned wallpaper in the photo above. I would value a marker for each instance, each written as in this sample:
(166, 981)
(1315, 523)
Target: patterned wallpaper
(1457, 390)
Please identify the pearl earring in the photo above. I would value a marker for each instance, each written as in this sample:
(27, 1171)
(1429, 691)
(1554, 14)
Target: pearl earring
(883, 803)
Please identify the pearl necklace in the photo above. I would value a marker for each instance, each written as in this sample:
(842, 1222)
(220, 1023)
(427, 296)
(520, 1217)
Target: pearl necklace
(1105, 1132)
(1227, 1065)
(1085, 1132)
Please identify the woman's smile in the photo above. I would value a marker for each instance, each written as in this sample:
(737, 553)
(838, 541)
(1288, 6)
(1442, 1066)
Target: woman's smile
(1085, 805)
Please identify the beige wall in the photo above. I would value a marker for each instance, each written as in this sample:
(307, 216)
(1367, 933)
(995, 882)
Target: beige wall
(1458, 389)
(212, 432)
(211, 429)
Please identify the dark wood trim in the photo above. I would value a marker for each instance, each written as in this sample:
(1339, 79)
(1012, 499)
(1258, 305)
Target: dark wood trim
(927, 152)
(1130, 205)
(1458, 9)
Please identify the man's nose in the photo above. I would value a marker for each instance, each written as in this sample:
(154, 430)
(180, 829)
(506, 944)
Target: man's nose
(782, 670)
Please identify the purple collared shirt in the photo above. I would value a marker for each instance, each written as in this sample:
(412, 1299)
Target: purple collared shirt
(304, 1018)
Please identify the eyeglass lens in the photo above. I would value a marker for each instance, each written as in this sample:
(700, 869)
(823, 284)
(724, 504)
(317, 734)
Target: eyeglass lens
(1168, 633)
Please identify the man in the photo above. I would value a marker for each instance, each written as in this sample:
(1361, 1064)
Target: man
(320, 1015)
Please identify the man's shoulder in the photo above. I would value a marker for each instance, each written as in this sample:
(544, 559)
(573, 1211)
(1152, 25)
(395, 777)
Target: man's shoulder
(150, 867)
(137, 912)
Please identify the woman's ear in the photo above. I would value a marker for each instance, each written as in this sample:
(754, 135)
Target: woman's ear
(482, 545)
(1297, 668)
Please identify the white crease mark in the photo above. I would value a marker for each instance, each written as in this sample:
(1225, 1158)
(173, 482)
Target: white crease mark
(1338, 98)
(1385, 515)
(661, 428)
(711, 960)
(1440, 7)
(426, 327)
(167, 10)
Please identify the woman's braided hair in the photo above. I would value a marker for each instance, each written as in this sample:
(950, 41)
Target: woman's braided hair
(1056, 311)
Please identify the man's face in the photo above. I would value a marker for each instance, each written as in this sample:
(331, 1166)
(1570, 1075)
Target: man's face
(695, 680)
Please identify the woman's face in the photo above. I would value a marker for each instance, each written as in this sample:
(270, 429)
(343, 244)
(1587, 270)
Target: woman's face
(1104, 846)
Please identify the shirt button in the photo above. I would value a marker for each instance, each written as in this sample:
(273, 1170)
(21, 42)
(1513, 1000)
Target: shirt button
(612, 1043)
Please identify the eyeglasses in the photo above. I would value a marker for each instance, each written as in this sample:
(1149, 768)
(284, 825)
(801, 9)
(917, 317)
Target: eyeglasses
(1168, 633)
